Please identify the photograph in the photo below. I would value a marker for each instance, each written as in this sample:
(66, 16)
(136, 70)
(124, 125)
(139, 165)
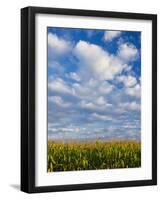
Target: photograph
(89, 99)
(93, 99)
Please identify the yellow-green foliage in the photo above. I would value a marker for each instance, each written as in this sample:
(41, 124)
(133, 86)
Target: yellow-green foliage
(94, 155)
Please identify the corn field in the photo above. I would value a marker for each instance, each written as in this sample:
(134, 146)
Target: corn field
(94, 155)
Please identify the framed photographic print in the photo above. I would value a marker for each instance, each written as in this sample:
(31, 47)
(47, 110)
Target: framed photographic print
(88, 99)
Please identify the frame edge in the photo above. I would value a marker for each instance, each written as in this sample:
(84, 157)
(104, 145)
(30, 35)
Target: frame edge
(24, 100)
(154, 99)
(27, 102)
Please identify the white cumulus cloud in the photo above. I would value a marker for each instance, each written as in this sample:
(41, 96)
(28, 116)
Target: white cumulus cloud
(94, 105)
(100, 101)
(110, 35)
(130, 105)
(96, 62)
(134, 91)
(92, 89)
(59, 101)
(128, 81)
(100, 117)
(127, 52)
(59, 85)
(74, 76)
(58, 46)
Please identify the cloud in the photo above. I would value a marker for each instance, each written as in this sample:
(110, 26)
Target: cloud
(127, 52)
(100, 87)
(94, 105)
(85, 97)
(110, 35)
(88, 105)
(65, 130)
(83, 91)
(100, 101)
(88, 91)
(105, 88)
(56, 66)
(100, 117)
(58, 46)
(134, 91)
(128, 81)
(92, 89)
(96, 62)
(59, 85)
(59, 101)
(74, 76)
(130, 105)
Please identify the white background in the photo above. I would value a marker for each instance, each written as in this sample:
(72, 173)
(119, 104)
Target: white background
(10, 99)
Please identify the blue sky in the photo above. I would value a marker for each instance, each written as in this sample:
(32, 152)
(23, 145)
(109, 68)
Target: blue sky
(94, 84)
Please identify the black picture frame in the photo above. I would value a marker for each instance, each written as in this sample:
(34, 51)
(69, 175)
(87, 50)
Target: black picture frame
(28, 98)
